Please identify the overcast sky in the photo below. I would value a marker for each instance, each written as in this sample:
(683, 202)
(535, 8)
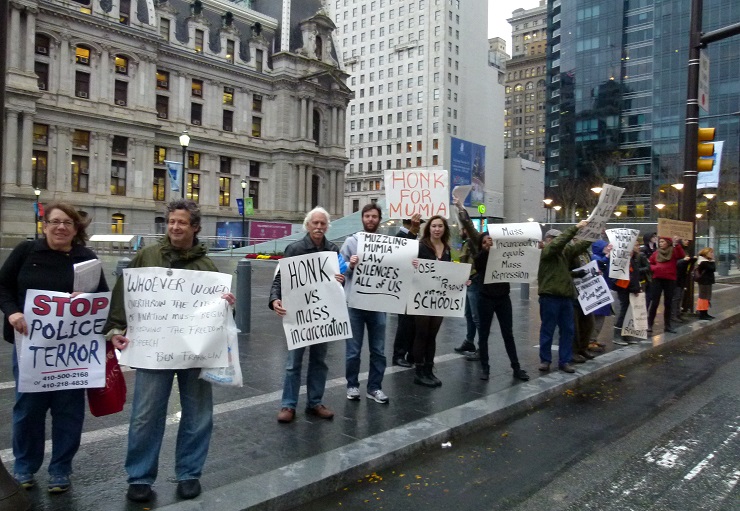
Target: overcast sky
(499, 11)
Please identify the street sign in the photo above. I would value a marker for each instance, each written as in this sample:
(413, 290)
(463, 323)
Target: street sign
(703, 94)
(482, 209)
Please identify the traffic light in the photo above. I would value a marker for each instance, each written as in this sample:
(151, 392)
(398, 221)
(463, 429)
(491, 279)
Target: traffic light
(705, 162)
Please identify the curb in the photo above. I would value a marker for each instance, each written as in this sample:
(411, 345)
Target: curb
(319, 475)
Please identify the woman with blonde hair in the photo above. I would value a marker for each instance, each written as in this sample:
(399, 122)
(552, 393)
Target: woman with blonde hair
(704, 276)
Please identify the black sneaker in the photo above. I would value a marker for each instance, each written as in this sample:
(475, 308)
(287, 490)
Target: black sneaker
(139, 492)
(188, 488)
(521, 374)
(466, 346)
(472, 356)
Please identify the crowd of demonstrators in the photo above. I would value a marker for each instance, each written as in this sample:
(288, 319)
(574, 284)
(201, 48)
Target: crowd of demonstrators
(494, 299)
(705, 268)
(600, 251)
(433, 245)
(650, 245)
(638, 267)
(556, 294)
(663, 265)
(316, 224)
(468, 253)
(404, 339)
(360, 318)
(684, 269)
(45, 264)
(179, 249)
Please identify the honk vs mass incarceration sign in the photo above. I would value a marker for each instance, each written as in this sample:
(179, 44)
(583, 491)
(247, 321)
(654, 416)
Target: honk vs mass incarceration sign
(65, 346)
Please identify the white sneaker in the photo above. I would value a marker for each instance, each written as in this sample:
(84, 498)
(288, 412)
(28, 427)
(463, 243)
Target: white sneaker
(377, 395)
(353, 393)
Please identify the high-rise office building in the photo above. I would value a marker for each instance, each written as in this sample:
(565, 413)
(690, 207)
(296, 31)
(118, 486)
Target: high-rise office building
(423, 90)
(617, 74)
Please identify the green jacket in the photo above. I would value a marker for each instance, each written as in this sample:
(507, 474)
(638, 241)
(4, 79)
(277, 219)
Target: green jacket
(553, 276)
(469, 249)
(162, 255)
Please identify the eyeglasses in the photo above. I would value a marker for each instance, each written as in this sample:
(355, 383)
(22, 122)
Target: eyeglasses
(57, 223)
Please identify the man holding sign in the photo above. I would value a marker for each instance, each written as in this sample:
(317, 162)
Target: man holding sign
(316, 223)
(180, 249)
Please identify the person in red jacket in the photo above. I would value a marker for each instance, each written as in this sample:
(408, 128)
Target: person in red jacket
(663, 264)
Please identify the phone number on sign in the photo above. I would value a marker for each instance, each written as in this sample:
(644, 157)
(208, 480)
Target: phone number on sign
(64, 384)
(64, 376)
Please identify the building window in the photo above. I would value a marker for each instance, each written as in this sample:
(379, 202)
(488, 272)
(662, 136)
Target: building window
(198, 41)
(163, 80)
(120, 93)
(193, 160)
(117, 177)
(257, 103)
(258, 60)
(81, 140)
(121, 65)
(163, 107)
(82, 55)
(40, 134)
(228, 120)
(160, 180)
(164, 28)
(230, 51)
(435, 159)
(225, 165)
(39, 166)
(224, 191)
(196, 114)
(119, 146)
(254, 169)
(82, 85)
(196, 88)
(228, 98)
(43, 45)
(116, 223)
(124, 12)
(42, 71)
(160, 154)
(254, 193)
(193, 187)
(256, 126)
(80, 173)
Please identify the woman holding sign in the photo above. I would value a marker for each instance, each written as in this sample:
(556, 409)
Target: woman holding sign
(434, 245)
(45, 264)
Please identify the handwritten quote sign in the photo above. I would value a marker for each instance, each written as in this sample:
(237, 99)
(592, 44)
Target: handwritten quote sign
(381, 280)
(593, 292)
(314, 300)
(65, 345)
(425, 191)
(176, 318)
(515, 254)
(669, 228)
(438, 289)
(601, 214)
(636, 320)
(623, 242)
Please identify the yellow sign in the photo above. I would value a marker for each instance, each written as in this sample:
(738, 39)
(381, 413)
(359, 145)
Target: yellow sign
(669, 228)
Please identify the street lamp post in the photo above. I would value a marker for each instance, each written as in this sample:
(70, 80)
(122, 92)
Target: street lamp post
(709, 197)
(184, 142)
(557, 209)
(548, 207)
(37, 193)
(244, 209)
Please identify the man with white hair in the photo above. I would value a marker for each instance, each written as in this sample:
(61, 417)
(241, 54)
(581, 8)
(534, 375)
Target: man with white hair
(316, 224)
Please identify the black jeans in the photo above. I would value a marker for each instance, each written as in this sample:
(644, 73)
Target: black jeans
(404, 341)
(666, 287)
(425, 342)
(501, 306)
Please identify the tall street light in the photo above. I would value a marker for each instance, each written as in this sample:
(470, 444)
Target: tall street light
(557, 209)
(184, 142)
(709, 197)
(548, 203)
(244, 208)
(37, 193)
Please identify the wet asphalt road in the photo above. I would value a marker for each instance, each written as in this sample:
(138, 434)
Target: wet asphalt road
(663, 435)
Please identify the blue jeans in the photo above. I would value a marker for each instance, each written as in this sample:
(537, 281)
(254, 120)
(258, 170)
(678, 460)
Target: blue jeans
(471, 310)
(556, 311)
(148, 417)
(375, 322)
(29, 427)
(315, 376)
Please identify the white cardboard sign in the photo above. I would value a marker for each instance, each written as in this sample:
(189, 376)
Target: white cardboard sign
(593, 292)
(422, 191)
(601, 214)
(635, 321)
(623, 242)
(438, 289)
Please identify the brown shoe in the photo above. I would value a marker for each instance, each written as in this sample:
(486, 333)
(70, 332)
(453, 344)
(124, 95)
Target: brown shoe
(585, 354)
(544, 367)
(321, 412)
(286, 415)
(578, 359)
(567, 368)
(596, 346)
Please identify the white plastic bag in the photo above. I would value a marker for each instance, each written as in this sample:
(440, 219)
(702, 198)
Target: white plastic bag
(230, 376)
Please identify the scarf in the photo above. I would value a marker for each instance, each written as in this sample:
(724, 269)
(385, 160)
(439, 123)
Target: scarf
(665, 254)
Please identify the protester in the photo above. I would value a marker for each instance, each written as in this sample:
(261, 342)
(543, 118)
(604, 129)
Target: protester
(494, 299)
(663, 265)
(684, 268)
(179, 249)
(625, 287)
(359, 319)
(650, 245)
(705, 268)
(316, 224)
(584, 323)
(435, 245)
(600, 251)
(557, 292)
(404, 339)
(468, 253)
(45, 264)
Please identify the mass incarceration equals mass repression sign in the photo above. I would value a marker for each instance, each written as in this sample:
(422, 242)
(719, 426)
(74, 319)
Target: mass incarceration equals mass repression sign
(314, 300)
(515, 254)
(381, 280)
(176, 318)
(65, 345)
(422, 191)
